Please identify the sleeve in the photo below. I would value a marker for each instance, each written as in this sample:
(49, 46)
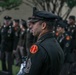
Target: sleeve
(35, 62)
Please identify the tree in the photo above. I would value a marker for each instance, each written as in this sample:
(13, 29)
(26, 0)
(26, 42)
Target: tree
(9, 4)
(55, 6)
(71, 4)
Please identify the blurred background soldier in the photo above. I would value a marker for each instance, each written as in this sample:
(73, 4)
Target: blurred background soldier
(21, 46)
(22, 41)
(61, 34)
(72, 30)
(69, 67)
(7, 38)
(16, 29)
(71, 25)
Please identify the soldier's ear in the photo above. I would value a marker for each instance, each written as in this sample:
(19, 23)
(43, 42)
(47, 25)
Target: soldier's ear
(43, 25)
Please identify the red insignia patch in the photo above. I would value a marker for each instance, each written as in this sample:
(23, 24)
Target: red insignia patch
(57, 34)
(68, 38)
(34, 49)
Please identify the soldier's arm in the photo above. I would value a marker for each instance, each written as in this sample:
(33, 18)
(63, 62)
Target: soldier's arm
(36, 61)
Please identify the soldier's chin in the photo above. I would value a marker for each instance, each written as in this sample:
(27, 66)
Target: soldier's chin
(35, 35)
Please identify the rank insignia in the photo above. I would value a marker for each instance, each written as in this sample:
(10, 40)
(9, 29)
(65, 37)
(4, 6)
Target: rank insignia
(34, 49)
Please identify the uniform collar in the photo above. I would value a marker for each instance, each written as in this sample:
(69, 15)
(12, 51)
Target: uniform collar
(46, 35)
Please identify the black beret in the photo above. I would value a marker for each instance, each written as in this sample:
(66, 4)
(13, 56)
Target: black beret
(72, 17)
(16, 20)
(62, 24)
(7, 18)
(23, 23)
(43, 15)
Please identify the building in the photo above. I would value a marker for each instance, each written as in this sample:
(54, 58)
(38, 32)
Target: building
(23, 12)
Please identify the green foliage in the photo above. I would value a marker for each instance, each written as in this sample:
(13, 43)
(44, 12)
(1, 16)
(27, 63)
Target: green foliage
(71, 3)
(8, 4)
(2, 4)
(15, 69)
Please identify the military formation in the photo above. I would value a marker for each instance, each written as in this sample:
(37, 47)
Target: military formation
(45, 44)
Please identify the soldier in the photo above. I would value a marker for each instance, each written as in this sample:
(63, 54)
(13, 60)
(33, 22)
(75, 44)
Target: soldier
(46, 56)
(22, 40)
(72, 32)
(16, 29)
(64, 40)
(61, 34)
(7, 44)
(21, 46)
(71, 25)
(69, 67)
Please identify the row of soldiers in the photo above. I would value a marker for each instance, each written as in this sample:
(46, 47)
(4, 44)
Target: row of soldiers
(16, 39)
(66, 37)
(13, 42)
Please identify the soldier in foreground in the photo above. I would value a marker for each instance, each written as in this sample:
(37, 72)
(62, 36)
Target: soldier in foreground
(46, 56)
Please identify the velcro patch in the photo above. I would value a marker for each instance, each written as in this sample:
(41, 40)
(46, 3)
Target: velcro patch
(34, 49)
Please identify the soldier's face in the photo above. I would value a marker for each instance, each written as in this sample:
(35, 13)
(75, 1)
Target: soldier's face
(59, 29)
(71, 21)
(15, 24)
(36, 28)
(7, 22)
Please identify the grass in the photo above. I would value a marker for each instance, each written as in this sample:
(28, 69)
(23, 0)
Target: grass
(15, 69)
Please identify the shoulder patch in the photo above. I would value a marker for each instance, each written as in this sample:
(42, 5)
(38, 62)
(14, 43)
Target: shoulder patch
(34, 49)
(68, 38)
(57, 33)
